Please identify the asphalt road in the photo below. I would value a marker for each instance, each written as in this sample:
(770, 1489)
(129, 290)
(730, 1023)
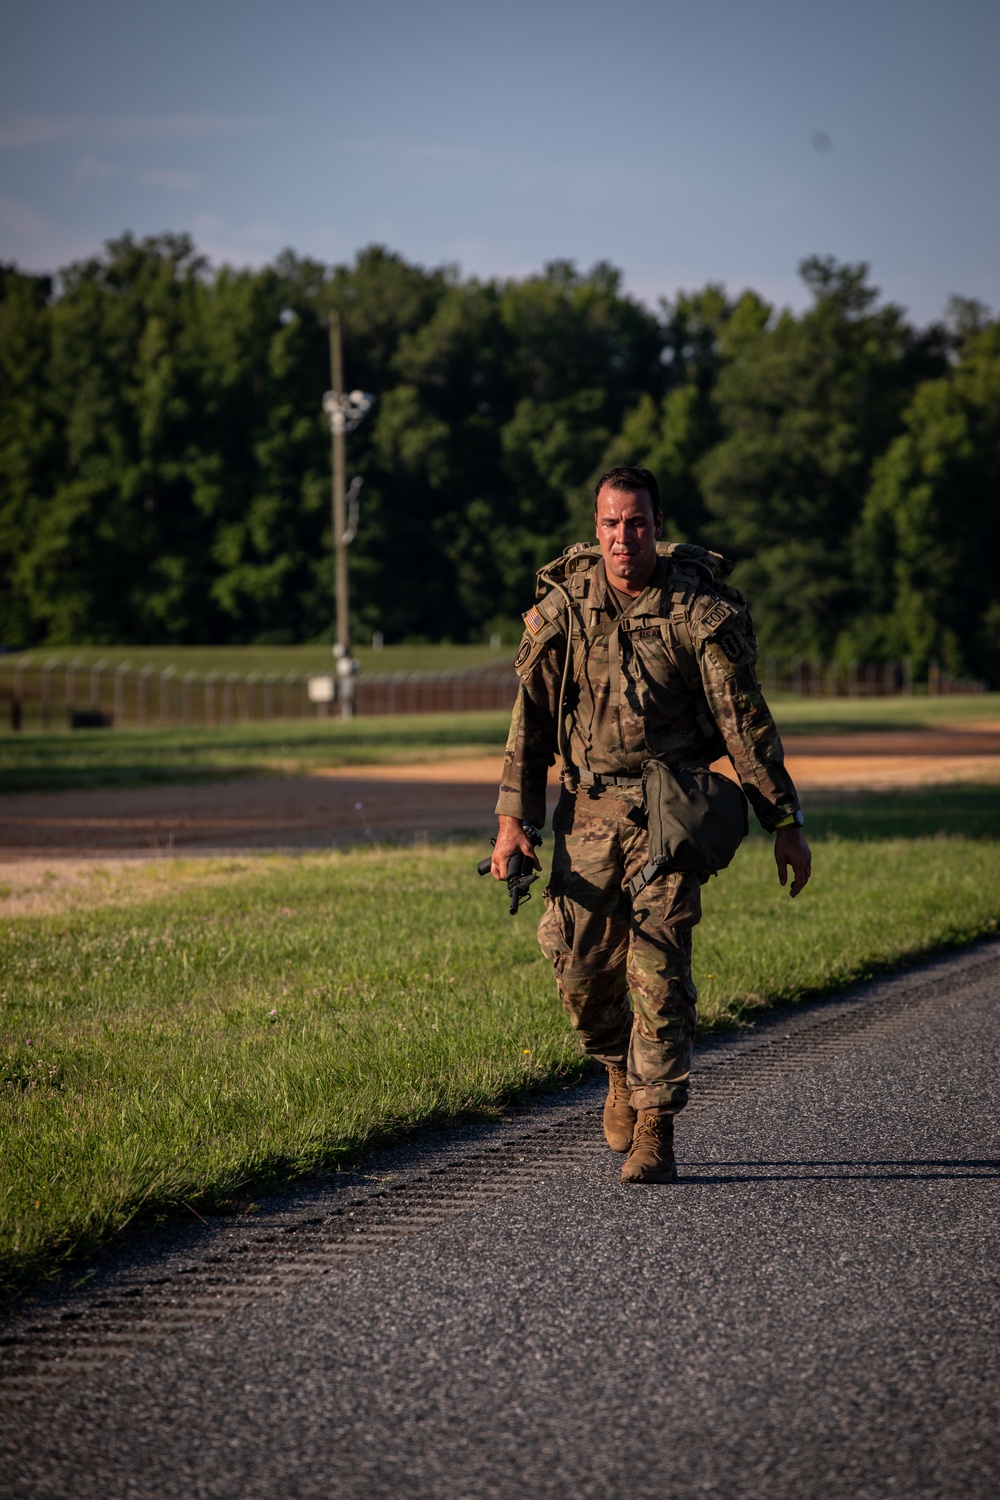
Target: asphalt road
(811, 1312)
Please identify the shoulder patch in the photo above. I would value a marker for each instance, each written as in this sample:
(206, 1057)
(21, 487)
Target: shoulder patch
(522, 655)
(715, 617)
(534, 621)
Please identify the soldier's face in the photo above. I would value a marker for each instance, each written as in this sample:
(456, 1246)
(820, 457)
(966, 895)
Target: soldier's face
(628, 530)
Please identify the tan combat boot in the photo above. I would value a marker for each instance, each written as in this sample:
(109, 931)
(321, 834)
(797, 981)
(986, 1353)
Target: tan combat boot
(619, 1116)
(651, 1158)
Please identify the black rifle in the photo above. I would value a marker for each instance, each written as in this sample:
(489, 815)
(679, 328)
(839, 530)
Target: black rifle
(520, 871)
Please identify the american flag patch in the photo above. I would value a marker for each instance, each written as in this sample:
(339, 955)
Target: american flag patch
(533, 620)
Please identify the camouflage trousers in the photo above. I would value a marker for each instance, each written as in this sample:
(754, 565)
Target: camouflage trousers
(606, 947)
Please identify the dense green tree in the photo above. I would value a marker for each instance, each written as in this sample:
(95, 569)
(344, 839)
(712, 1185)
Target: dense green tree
(509, 393)
(164, 459)
(927, 549)
(30, 441)
(671, 436)
(108, 541)
(806, 405)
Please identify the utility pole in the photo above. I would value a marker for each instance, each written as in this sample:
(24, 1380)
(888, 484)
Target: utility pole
(339, 446)
(345, 413)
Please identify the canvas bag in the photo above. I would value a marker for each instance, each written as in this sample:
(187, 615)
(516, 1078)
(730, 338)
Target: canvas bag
(697, 820)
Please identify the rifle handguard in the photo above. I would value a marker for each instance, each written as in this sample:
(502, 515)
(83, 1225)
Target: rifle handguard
(521, 873)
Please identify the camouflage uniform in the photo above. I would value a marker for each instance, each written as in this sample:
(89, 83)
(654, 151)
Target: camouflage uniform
(669, 676)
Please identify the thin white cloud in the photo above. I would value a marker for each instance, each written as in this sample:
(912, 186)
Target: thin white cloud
(230, 244)
(34, 242)
(174, 182)
(171, 127)
(438, 153)
(21, 220)
(35, 130)
(487, 258)
(324, 242)
(88, 168)
(430, 150)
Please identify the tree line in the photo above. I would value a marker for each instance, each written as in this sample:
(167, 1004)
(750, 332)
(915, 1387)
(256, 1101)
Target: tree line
(164, 460)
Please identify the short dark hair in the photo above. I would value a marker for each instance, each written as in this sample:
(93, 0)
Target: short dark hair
(633, 480)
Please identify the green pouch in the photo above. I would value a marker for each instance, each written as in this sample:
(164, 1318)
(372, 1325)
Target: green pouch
(697, 820)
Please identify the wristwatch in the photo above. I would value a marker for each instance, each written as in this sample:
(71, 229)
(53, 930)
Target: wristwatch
(794, 819)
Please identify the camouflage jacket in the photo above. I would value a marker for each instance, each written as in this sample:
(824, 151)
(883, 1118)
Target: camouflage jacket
(670, 677)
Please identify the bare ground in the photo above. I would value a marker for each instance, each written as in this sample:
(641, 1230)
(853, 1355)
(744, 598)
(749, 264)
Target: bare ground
(56, 847)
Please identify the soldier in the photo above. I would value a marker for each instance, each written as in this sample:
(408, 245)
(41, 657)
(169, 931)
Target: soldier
(637, 652)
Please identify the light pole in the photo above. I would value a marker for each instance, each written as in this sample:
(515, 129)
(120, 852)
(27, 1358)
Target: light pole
(345, 411)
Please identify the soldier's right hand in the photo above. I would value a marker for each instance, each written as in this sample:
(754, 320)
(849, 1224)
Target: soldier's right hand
(511, 839)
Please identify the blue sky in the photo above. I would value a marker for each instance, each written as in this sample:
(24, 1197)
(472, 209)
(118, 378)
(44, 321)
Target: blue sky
(710, 140)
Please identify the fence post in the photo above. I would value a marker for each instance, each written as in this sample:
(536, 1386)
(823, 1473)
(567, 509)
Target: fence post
(165, 677)
(908, 676)
(249, 684)
(143, 695)
(208, 699)
(189, 678)
(118, 718)
(95, 683)
(17, 701)
(47, 670)
(69, 684)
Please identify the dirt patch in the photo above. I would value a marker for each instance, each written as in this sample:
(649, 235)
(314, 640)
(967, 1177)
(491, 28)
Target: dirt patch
(351, 805)
(33, 887)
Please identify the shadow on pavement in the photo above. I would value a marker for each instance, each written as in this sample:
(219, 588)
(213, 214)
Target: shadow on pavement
(839, 1171)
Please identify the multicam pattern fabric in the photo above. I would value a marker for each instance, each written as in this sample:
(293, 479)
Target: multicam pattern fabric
(605, 947)
(672, 678)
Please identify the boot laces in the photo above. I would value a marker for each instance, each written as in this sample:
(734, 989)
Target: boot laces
(619, 1085)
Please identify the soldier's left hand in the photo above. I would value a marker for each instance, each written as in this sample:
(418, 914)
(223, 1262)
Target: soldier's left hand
(790, 848)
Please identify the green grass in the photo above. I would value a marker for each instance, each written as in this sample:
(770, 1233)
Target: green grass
(243, 659)
(971, 811)
(39, 762)
(800, 715)
(192, 1031)
(130, 756)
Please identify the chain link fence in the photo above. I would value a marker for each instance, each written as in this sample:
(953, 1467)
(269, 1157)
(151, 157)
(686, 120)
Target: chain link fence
(47, 693)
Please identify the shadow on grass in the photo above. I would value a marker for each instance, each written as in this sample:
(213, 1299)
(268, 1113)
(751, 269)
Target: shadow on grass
(129, 757)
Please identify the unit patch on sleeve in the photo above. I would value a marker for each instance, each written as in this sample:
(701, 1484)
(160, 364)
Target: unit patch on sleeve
(534, 621)
(716, 617)
(734, 645)
(523, 654)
